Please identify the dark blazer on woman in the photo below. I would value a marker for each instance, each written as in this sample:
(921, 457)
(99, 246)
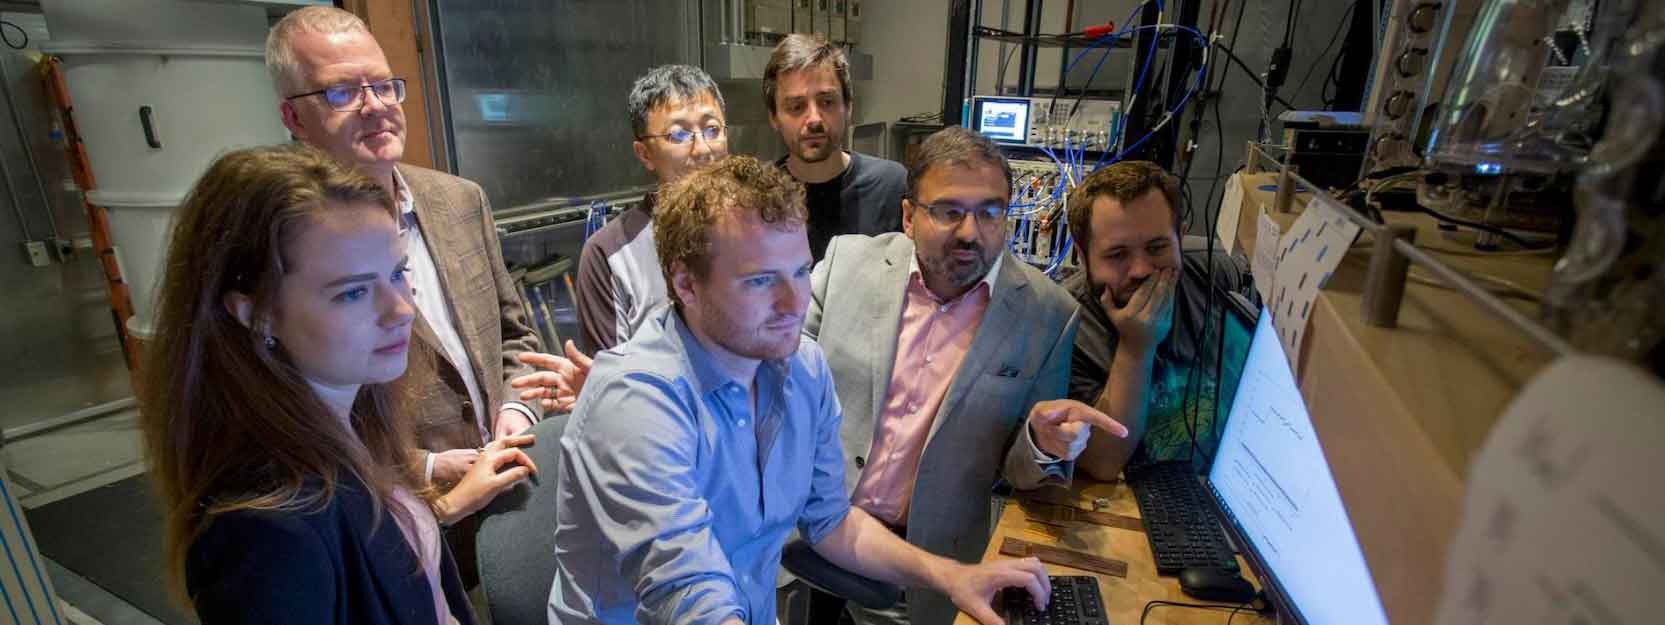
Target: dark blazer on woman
(316, 568)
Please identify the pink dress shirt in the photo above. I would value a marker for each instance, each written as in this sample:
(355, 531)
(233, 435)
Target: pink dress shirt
(931, 343)
(424, 539)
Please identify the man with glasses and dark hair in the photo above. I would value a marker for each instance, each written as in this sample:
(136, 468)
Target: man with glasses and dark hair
(676, 119)
(806, 87)
(952, 362)
(338, 94)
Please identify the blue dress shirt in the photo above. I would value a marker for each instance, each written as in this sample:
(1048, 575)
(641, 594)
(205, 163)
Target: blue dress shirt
(676, 496)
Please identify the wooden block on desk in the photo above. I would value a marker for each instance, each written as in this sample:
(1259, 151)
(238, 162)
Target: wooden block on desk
(1064, 557)
(1109, 519)
(1053, 513)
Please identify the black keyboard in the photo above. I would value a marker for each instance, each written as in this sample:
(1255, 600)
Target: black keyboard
(1075, 601)
(1180, 522)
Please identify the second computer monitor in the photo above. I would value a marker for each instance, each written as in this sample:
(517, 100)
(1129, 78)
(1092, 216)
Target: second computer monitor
(1275, 486)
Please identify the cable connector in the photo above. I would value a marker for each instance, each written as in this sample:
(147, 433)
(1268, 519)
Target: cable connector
(1278, 69)
(1094, 32)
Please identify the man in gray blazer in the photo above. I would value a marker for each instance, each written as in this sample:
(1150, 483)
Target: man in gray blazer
(951, 357)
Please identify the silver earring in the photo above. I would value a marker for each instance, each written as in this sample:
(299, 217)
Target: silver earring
(271, 343)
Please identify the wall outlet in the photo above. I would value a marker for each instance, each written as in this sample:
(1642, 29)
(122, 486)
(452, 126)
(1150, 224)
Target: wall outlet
(63, 250)
(36, 251)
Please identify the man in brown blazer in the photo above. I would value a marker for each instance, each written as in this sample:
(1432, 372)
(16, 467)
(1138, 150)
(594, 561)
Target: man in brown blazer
(337, 93)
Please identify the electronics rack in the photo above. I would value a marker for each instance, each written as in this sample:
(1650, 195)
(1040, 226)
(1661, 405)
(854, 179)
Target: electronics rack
(1038, 228)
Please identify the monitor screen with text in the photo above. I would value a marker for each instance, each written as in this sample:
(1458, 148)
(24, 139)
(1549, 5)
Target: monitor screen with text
(1004, 120)
(1276, 488)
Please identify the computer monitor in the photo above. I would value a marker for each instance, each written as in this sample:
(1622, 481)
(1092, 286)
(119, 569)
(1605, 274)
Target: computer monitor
(1003, 120)
(1280, 500)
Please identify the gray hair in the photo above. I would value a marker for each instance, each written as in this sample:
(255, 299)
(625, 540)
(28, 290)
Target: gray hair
(281, 63)
(665, 84)
(799, 51)
(955, 145)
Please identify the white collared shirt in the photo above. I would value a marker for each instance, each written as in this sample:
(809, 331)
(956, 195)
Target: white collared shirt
(430, 300)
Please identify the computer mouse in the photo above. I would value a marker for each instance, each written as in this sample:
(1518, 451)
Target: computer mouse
(1209, 584)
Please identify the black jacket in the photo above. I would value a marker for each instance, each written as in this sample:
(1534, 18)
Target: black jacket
(315, 568)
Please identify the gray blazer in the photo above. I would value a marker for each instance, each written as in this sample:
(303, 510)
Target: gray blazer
(1020, 356)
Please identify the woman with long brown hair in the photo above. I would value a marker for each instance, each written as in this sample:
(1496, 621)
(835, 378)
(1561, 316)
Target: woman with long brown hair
(282, 311)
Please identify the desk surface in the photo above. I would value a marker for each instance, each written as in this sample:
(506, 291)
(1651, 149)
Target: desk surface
(1124, 598)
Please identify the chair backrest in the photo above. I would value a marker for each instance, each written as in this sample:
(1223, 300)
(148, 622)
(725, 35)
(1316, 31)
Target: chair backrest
(516, 542)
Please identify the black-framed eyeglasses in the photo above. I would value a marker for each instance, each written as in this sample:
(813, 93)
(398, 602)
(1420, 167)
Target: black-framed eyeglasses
(680, 135)
(348, 98)
(949, 214)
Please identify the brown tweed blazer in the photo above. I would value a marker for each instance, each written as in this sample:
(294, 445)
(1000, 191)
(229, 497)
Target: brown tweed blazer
(456, 223)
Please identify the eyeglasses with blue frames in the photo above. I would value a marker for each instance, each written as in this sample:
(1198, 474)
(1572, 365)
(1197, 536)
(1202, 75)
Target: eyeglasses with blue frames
(680, 135)
(350, 98)
(949, 214)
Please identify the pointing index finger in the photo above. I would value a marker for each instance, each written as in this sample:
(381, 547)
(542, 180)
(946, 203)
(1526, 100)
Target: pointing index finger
(1091, 416)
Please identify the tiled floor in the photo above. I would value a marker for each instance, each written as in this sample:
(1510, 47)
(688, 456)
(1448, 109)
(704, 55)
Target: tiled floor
(68, 461)
(64, 462)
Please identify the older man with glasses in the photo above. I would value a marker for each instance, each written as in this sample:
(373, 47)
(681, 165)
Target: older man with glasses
(338, 94)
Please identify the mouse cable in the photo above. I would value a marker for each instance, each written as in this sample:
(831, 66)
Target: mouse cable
(1259, 604)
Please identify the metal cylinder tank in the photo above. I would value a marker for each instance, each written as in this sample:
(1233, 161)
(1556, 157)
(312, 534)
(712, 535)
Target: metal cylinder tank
(160, 88)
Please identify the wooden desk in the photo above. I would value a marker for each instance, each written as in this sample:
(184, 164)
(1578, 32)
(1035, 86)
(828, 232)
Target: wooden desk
(1124, 598)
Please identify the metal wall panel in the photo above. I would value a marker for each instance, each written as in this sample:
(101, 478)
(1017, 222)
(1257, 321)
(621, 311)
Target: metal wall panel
(58, 347)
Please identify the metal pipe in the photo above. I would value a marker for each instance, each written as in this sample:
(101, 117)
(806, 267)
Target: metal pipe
(1384, 280)
(17, 204)
(544, 207)
(12, 435)
(1005, 24)
(1494, 213)
(1532, 329)
(28, 152)
(1026, 64)
(1288, 182)
(1487, 301)
(739, 21)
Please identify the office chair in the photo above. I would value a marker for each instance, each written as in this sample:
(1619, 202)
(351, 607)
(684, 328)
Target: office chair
(799, 559)
(515, 547)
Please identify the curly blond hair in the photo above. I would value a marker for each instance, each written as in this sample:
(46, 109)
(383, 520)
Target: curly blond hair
(731, 188)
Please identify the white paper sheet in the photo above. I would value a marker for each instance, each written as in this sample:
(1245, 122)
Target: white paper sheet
(1231, 209)
(1564, 518)
(1264, 265)
(1307, 254)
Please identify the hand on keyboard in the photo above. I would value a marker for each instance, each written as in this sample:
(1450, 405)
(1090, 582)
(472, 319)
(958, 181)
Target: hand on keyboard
(1075, 601)
(975, 588)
